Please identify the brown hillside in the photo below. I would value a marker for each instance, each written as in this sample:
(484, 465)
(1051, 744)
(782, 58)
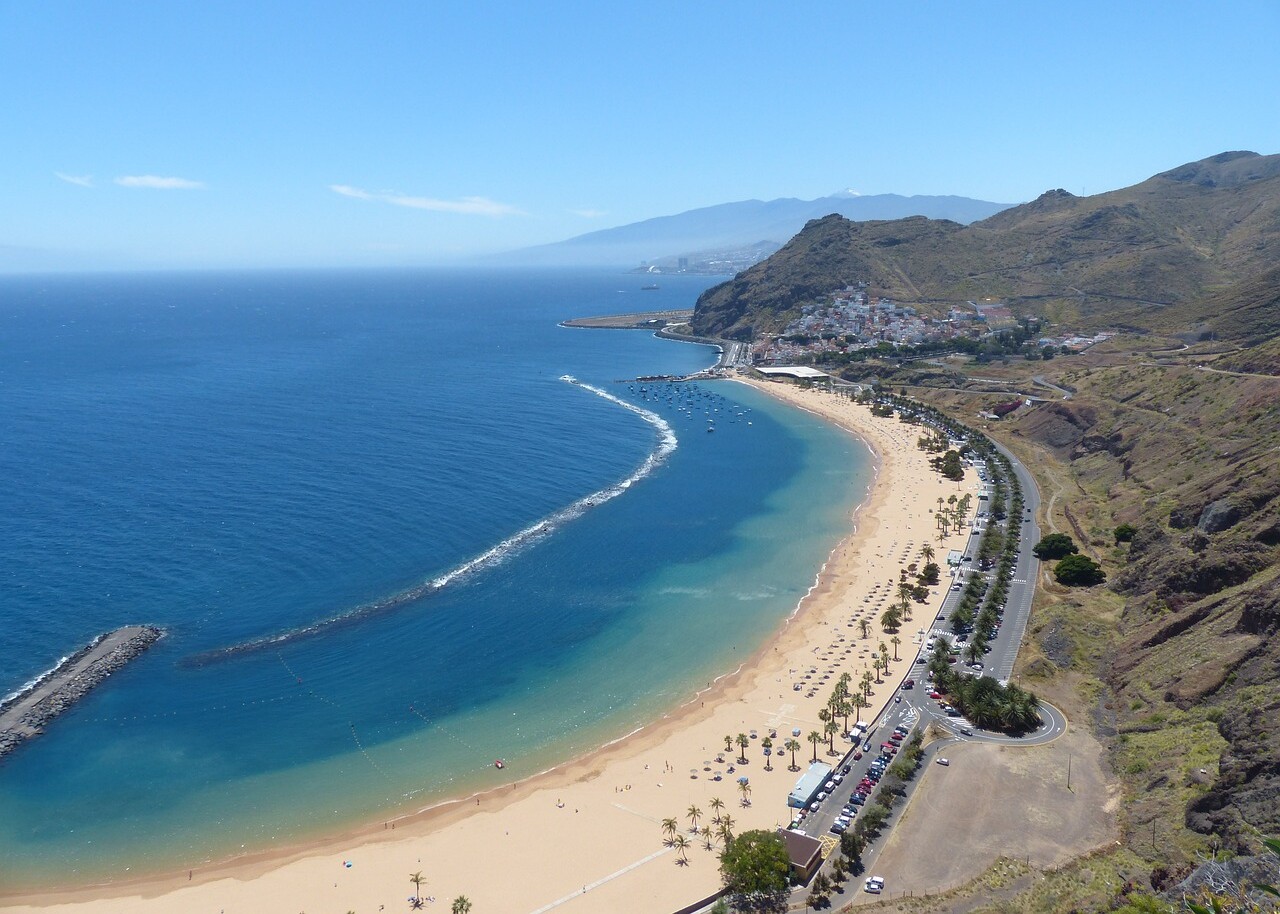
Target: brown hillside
(1118, 258)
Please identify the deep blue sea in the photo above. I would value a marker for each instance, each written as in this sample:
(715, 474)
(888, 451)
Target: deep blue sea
(388, 539)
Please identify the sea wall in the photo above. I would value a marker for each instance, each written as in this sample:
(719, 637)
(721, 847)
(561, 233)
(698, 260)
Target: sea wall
(31, 710)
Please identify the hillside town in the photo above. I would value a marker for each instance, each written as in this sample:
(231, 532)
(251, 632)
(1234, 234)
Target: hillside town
(851, 320)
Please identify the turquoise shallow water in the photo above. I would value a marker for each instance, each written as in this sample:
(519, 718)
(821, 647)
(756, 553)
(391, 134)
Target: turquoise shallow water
(243, 458)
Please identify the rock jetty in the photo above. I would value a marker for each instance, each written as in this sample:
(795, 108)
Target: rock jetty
(27, 713)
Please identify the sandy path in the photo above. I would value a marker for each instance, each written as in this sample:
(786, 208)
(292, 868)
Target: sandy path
(587, 837)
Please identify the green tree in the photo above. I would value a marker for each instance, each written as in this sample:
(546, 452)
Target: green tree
(1125, 533)
(681, 844)
(864, 628)
(814, 737)
(1055, 546)
(1078, 571)
(756, 868)
(462, 905)
(743, 743)
(417, 880)
(895, 641)
(767, 745)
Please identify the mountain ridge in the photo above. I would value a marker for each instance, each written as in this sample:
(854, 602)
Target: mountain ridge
(1115, 258)
(741, 223)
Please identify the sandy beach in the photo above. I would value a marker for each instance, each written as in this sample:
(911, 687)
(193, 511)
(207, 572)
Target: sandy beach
(587, 836)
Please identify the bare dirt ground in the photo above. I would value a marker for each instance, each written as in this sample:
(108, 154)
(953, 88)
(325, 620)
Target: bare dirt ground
(999, 801)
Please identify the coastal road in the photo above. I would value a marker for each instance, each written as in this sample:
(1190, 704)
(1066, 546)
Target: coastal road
(913, 708)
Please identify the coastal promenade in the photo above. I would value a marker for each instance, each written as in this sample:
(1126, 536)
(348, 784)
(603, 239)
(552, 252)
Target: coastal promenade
(28, 713)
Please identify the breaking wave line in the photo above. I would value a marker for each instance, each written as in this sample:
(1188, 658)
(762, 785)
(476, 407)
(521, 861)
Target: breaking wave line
(492, 557)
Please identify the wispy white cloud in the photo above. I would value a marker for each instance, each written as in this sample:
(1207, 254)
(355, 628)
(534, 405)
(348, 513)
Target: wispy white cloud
(156, 182)
(347, 191)
(78, 180)
(589, 213)
(467, 206)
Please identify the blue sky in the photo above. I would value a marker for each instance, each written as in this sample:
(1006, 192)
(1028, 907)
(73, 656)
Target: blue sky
(158, 135)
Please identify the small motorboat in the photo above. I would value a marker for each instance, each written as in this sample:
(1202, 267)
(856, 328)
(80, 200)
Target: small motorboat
(498, 763)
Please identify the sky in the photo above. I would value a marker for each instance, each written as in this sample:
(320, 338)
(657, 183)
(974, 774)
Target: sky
(160, 135)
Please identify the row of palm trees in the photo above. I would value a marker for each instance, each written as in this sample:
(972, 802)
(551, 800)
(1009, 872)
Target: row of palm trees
(721, 826)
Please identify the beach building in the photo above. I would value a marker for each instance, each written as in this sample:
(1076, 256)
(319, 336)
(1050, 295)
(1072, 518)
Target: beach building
(954, 557)
(799, 372)
(805, 854)
(809, 784)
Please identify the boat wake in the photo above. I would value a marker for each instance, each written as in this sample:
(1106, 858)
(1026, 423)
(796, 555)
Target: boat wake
(490, 558)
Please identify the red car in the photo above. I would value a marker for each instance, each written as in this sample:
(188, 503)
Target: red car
(935, 694)
(857, 754)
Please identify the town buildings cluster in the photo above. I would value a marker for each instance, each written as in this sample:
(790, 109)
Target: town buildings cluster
(850, 319)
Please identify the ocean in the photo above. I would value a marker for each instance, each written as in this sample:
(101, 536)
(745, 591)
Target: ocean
(396, 525)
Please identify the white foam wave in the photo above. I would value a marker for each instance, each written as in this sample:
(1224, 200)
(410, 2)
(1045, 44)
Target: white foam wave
(495, 555)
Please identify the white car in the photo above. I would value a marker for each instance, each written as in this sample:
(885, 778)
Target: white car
(874, 885)
(944, 762)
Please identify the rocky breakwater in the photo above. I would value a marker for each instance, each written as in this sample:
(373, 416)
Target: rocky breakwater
(27, 713)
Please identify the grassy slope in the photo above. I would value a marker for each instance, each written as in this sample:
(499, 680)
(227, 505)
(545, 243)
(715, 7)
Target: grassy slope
(1176, 657)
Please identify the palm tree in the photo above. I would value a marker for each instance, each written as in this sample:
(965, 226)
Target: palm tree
(706, 836)
(859, 703)
(875, 665)
(694, 813)
(743, 743)
(767, 745)
(884, 659)
(926, 553)
(832, 729)
(866, 686)
(669, 828)
(904, 591)
(745, 789)
(864, 628)
(681, 844)
(462, 905)
(417, 880)
(728, 743)
(895, 641)
(814, 737)
(844, 709)
(891, 619)
(824, 715)
(792, 746)
(726, 829)
(716, 805)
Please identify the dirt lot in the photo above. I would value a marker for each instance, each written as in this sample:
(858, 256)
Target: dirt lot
(997, 801)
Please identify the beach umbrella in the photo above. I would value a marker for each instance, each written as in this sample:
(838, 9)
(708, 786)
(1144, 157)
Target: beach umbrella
(743, 780)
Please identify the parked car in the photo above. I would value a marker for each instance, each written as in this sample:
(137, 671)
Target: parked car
(874, 885)
(944, 762)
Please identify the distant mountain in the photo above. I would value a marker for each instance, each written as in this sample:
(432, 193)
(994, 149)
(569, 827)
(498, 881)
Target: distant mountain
(699, 233)
(1141, 256)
